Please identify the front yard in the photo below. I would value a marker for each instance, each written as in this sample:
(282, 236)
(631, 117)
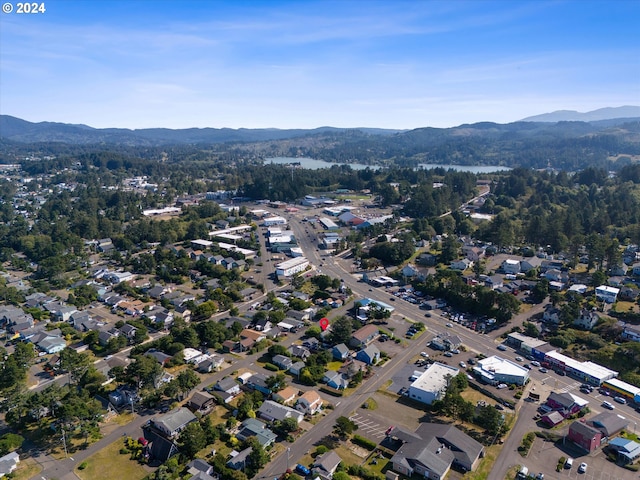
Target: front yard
(110, 464)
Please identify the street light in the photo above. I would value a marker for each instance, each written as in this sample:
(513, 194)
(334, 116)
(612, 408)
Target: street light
(289, 451)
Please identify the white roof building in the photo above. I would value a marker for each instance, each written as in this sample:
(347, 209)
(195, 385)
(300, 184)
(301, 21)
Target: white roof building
(292, 266)
(607, 294)
(496, 369)
(432, 384)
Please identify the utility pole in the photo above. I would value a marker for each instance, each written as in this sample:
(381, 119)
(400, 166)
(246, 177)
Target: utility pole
(288, 452)
(64, 443)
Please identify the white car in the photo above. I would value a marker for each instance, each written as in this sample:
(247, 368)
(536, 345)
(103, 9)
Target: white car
(449, 325)
(502, 385)
(582, 468)
(535, 363)
(424, 354)
(463, 365)
(518, 359)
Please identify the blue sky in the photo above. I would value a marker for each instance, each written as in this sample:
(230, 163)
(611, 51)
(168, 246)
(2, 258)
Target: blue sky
(305, 64)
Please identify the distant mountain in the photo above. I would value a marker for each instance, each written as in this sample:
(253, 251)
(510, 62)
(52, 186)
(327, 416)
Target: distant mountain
(18, 130)
(628, 111)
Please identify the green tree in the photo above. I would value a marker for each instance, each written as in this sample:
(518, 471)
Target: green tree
(192, 439)
(75, 363)
(344, 427)
(341, 330)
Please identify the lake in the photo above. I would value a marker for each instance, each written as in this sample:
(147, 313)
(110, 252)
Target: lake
(313, 164)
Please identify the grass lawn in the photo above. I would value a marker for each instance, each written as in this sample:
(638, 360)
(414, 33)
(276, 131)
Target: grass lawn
(26, 469)
(483, 470)
(109, 464)
(474, 396)
(334, 366)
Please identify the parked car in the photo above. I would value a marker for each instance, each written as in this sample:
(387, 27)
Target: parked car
(463, 365)
(502, 385)
(527, 366)
(621, 400)
(448, 354)
(455, 351)
(518, 359)
(582, 468)
(543, 370)
(449, 325)
(424, 354)
(535, 363)
(302, 469)
(568, 463)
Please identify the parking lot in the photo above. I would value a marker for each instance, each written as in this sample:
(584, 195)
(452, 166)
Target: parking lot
(369, 427)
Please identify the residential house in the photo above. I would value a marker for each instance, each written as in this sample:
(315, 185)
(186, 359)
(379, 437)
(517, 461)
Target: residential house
(299, 351)
(272, 411)
(128, 331)
(635, 269)
(300, 316)
(369, 355)
(8, 463)
(585, 436)
(238, 461)
(433, 449)
(201, 402)
(252, 427)
(587, 319)
(364, 336)
(335, 380)
(629, 294)
(309, 402)
(52, 344)
(258, 381)
(286, 396)
(296, 368)
(325, 465)
(172, 423)
(210, 364)
(631, 333)
(252, 335)
(228, 385)
(197, 466)
(340, 351)
(511, 267)
(263, 325)
(157, 291)
(282, 361)
(551, 314)
(161, 357)
(461, 265)
(105, 335)
(494, 282)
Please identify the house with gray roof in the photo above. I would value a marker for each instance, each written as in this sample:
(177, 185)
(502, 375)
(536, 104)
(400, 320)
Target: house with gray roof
(326, 464)
(433, 449)
(340, 351)
(272, 411)
(8, 463)
(282, 361)
(252, 427)
(172, 423)
(608, 423)
(369, 355)
(238, 461)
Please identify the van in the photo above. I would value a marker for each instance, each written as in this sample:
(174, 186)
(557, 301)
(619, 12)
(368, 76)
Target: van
(522, 473)
(568, 463)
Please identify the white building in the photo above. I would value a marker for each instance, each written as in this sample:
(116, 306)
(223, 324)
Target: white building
(607, 294)
(292, 266)
(496, 369)
(269, 221)
(511, 266)
(432, 384)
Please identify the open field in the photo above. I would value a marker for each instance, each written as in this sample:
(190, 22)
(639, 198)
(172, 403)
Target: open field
(110, 464)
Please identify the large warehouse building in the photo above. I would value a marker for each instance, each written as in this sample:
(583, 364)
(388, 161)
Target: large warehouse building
(432, 384)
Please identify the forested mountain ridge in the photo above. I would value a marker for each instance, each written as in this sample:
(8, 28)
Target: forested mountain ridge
(626, 111)
(608, 144)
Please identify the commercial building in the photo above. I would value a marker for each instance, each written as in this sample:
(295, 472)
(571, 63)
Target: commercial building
(588, 372)
(623, 389)
(433, 449)
(269, 221)
(585, 436)
(328, 224)
(496, 369)
(432, 384)
(292, 266)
